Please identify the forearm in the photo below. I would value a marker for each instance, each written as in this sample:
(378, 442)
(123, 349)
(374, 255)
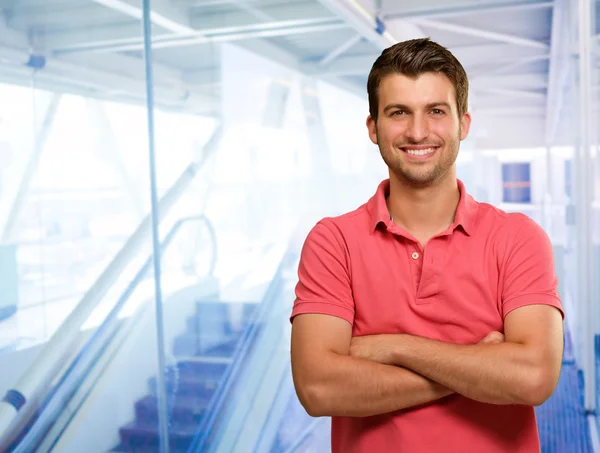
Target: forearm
(504, 373)
(353, 387)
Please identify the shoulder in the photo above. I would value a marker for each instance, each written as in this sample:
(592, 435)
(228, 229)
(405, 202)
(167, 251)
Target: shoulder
(343, 227)
(509, 233)
(520, 242)
(505, 225)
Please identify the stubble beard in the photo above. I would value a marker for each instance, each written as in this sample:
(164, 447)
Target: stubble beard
(417, 177)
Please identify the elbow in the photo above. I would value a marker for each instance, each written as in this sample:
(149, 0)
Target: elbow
(541, 388)
(311, 397)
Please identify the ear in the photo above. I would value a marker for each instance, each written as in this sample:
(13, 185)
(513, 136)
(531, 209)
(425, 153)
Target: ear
(372, 127)
(465, 125)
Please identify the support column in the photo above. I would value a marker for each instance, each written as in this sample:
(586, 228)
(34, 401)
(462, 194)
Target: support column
(583, 204)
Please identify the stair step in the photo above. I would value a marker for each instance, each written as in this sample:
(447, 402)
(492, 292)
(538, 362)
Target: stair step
(197, 378)
(217, 360)
(182, 410)
(212, 314)
(226, 349)
(190, 344)
(156, 449)
(188, 387)
(208, 371)
(136, 437)
(186, 344)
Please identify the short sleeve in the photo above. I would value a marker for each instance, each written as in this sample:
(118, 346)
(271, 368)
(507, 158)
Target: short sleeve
(529, 276)
(324, 284)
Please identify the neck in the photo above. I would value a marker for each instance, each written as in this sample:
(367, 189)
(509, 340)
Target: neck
(427, 210)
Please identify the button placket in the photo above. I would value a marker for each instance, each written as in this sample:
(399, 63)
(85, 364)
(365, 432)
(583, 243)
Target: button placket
(432, 269)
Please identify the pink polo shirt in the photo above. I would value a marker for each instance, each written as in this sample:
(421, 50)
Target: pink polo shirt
(363, 268)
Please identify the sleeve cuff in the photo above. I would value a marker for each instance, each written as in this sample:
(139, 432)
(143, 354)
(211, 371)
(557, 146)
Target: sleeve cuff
(532, 299)
(323, 308)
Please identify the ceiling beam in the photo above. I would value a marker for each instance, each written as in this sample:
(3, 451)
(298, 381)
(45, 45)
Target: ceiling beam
(472, 56)
(344, 47)
(100, 79)
(468, 10)
(239, 12)
(130, 33)
(163, 14)
(513, 93)
(511, 66)
(343, 66)
(67, 39)
(469, 56)
(244, 5)
(32, 17)
(208, 3)
(480, 33)
(535, 81)
(370, 27)
(111, 75)
(226, 34)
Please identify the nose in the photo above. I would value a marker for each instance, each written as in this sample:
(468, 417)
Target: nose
(417, 128)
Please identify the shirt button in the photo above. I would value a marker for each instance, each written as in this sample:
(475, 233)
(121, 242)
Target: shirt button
(415, 256)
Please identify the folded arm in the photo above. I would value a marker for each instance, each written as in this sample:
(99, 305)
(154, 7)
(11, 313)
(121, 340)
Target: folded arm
(522, 370)
(329, 382)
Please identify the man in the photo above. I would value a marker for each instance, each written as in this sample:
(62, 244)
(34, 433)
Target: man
(424, 320)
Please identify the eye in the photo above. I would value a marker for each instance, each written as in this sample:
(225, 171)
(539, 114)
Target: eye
(398, 112)
(437, 112)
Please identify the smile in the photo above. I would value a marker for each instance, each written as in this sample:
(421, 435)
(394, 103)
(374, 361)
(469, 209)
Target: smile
(420, 153)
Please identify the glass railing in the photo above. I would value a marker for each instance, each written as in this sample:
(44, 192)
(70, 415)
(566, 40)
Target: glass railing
(258, 389)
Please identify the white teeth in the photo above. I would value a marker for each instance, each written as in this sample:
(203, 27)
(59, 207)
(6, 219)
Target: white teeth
(420, 152)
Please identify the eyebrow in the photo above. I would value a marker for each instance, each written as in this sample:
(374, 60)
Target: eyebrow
(429, 106)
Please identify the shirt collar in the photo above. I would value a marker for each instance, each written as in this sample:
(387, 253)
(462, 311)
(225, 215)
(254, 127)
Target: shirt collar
(466, 212)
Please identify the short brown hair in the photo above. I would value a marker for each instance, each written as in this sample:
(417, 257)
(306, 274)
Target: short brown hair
(413, 58)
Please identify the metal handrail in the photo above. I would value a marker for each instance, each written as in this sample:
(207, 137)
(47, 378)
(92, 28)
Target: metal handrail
(89, 354)
(233, 371)
(52, 357)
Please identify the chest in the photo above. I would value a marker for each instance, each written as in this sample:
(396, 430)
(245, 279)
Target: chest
(448, 291)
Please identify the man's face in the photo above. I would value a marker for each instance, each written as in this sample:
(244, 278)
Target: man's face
(418, 130)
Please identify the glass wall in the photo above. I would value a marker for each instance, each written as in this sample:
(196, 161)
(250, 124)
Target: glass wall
(149, 244)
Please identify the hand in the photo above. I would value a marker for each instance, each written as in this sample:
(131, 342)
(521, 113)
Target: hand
(493, 338)
(376, 348)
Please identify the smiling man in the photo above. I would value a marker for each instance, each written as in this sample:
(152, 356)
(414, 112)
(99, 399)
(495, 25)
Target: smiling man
(425, 321)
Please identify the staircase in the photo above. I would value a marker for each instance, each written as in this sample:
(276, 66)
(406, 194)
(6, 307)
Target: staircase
(202, 355)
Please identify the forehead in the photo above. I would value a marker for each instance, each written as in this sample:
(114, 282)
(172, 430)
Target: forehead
(424, 89)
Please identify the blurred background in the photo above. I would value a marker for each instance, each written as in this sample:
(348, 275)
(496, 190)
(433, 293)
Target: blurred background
(211, 135)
